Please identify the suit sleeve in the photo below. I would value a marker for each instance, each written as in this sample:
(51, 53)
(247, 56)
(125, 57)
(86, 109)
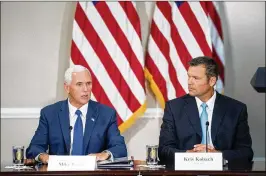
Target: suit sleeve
(39, 142)
(115, 142)
(168, 141)
(242, 143)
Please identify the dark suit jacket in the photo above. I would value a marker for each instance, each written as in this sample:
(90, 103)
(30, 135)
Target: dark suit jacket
(100, 134)
(181, 128)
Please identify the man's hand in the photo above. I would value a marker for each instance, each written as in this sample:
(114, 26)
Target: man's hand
(44, 157)
(202, 148)
(198, 148)
(101, 156)
(29, 162)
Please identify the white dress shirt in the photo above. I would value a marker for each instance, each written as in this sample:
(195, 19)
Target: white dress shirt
(209, 109)
(72, 121)
(73, 117)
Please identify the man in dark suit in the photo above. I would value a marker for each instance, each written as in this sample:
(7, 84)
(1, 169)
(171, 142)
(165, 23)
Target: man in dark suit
(78, 125)
(185, 118)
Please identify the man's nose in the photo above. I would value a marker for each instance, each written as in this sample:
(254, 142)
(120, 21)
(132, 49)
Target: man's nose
(85, 87)
(189, 81)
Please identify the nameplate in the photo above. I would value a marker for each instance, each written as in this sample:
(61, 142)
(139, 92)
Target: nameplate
(71, 163)
(199, 161)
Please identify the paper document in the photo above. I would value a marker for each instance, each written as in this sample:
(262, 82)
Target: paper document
(116, 163)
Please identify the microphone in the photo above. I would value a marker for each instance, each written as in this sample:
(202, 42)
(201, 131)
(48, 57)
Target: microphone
(258, 80)
(70, 128)
(207, 125)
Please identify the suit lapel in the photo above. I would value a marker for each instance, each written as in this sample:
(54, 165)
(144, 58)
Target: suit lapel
(65, 124)
(91, 118)
(191, 110)
(218, 114)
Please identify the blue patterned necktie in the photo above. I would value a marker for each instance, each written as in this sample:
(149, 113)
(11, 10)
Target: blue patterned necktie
(203, 120)
(77, 146)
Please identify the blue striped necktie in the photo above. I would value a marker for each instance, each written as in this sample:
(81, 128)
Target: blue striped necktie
(203, 120)
(77, 146)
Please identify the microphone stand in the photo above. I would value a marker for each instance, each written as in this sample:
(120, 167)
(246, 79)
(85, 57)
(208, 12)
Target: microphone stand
(207, 125)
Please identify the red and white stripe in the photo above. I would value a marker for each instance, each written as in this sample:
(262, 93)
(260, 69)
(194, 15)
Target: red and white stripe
(181, 31)
(107, 40)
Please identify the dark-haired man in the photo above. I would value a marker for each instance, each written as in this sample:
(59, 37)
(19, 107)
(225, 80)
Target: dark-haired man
(185, 118)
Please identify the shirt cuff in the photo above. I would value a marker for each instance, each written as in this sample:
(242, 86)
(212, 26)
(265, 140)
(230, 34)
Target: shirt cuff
(111, 158)
(37, 157)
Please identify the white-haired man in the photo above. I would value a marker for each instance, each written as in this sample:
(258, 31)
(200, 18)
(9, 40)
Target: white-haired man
(78, 125)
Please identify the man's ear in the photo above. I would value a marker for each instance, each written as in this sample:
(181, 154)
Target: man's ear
(66, 87)
(212, 81)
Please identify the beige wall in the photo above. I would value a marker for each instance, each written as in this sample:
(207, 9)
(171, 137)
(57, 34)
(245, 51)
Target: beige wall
(35, 43)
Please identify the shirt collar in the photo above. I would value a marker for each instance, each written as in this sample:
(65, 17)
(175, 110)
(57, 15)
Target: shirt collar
(210, 102)
(73, 109)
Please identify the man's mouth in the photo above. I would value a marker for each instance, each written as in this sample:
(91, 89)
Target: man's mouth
(84, 96)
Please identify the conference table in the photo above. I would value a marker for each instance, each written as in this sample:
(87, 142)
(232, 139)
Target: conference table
(254, 169)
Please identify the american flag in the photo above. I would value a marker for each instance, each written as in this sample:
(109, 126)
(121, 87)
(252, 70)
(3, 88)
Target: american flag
(181, 31)
(107, 40)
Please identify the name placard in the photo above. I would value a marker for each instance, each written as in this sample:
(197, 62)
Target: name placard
(199, 161)
(71, 163)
